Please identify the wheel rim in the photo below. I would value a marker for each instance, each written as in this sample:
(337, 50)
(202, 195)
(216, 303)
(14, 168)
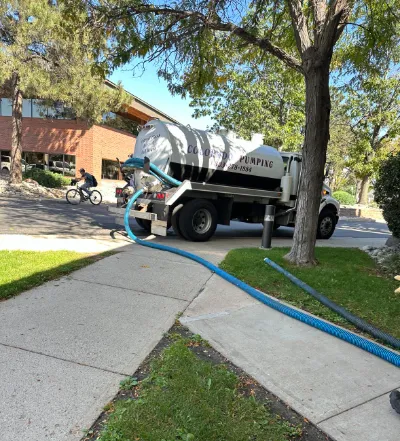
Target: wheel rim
(326, 226)
(74, 197)
(202, 221)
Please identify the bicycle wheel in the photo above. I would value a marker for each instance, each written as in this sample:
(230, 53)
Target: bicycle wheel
(95, 197)
(73, 197)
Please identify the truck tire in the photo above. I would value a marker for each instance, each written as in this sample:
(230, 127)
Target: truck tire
(198, 220)
(144, 224)
(175, 221)
(326, 224)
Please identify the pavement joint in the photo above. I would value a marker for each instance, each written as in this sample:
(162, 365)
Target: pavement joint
(202, 288)
(63, 359)
(213, 315)
(128, 289)
(355, 406)
(189, 262)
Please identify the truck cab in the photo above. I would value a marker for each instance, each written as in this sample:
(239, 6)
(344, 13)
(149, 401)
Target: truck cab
(328, 209)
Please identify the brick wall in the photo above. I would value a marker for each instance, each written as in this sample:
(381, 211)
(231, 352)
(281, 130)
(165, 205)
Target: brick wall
(41, 135)
(109, 144)
(89, 145)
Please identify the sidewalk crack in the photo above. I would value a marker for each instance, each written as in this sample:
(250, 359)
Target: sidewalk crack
(63, 359)
(355, 406)
(137, 291)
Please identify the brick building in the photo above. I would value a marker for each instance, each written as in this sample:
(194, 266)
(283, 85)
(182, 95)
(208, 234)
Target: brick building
(65, 145)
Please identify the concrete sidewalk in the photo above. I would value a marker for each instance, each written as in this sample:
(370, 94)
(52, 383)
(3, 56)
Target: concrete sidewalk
(65, 346)
(338, 387)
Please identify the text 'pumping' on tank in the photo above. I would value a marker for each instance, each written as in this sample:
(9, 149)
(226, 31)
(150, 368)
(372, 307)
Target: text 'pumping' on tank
(251, 160)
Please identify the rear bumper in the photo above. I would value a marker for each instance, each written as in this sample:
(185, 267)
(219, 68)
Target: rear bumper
(120, 212)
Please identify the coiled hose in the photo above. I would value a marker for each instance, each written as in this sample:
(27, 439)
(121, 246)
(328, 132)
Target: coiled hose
(329, 328)
(357, 321)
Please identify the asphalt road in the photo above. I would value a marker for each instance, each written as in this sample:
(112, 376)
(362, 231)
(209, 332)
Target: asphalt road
(57, 217)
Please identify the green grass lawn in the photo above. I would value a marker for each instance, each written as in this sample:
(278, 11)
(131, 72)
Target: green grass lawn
(185, 398)
(22, 270)
(347, 276)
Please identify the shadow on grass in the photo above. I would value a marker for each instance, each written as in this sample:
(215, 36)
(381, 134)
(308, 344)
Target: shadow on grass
(15, 287)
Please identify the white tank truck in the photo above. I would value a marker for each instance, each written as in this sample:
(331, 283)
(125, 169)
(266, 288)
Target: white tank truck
(223, 179)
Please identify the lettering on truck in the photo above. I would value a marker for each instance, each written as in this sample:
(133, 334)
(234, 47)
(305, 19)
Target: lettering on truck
(224, 157)
(151, 148)
(256, 161)
(208, 152)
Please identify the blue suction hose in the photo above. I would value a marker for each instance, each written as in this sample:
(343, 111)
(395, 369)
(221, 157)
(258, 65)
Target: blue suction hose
(329, 328)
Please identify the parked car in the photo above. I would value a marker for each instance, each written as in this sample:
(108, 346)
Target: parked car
(38, 166)
(5, 165)
(61, 167)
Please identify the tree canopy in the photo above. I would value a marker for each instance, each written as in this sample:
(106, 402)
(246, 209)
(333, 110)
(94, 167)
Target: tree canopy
(266, 99)
(48, 53)
(53, 57)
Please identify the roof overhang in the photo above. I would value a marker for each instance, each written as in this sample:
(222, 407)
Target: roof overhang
(140, 111)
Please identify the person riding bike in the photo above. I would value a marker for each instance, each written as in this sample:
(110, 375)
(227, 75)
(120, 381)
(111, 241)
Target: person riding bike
(88, 178)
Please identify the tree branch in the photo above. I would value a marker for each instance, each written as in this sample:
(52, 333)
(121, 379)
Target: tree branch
(337, 15)
(319, 11)
(299, 25)
(217, 25)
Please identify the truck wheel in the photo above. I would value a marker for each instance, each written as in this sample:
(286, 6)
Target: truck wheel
(144, 224)
(198, 220)
(175, 220)
(326, 225)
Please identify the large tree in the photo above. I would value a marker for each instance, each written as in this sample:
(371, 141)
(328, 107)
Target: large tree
(47, 53)
(193, 39)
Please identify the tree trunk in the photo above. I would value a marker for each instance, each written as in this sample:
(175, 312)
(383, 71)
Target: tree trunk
(318, 108)
(16, 140)
(363, 197)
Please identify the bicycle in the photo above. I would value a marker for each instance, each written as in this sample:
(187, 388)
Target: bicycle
(76, 195)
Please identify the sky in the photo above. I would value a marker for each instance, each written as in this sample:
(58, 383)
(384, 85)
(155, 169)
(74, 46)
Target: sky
(154, 91)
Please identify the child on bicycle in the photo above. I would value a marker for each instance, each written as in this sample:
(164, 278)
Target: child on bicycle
(88, 178)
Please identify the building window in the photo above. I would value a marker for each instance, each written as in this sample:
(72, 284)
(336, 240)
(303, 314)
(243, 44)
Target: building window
(39, 110)
(70, 169)
(109, 169)
(5, 162)
(62, 164)
(119, 122)
(6, 107)
(26, 108)
(59, 163)
(35, 160)
(33, 108)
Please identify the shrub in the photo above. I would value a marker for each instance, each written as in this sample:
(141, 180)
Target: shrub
(344, 198)
(47, 178)
(387, 192)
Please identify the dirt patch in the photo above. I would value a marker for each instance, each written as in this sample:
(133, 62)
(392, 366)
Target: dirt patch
(29, 189)
(248, 387)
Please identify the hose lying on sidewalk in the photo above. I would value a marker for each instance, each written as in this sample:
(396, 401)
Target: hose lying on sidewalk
(356, 321)
(329, 328)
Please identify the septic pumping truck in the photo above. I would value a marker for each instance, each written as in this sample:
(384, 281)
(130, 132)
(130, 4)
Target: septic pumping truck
(193, 180)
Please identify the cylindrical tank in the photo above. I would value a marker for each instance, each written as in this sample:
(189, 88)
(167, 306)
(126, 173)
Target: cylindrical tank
(201, 156)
